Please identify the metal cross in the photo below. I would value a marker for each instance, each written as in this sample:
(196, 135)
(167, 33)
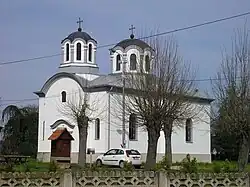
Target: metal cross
(132, 29)
(79, 22)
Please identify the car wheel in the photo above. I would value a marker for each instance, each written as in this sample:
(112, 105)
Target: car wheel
(121, 164)
(137, 166)
(98, 163)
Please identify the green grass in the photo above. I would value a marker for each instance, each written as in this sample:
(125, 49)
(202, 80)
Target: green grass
(218, 166)
(30, 166)
(34, 166)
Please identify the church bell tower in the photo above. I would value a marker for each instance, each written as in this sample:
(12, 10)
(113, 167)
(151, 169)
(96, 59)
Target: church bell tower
(79, 53)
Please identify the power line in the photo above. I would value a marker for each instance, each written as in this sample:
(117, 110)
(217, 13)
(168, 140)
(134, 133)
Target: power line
(29, 59)
(198, 25)
(34, 99)
(58, 95)
(159, 34)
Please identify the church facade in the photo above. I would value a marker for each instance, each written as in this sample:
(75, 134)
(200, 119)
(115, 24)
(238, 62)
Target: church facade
(79, 75)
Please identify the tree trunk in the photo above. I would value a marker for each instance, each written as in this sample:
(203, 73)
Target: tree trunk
(83, 134)
(243, 153)
(153, 137)
(168, 141)
(168, 146)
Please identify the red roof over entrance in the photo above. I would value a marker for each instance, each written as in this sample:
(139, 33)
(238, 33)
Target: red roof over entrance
(58, 132)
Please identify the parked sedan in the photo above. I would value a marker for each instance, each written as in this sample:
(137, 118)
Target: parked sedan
(117, 157)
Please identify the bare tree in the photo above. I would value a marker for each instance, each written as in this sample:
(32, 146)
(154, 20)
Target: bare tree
(80, 109)
(158, 97)
(232, 92)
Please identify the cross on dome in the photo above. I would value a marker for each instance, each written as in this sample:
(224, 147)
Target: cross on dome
(132, 31)
(79, 23)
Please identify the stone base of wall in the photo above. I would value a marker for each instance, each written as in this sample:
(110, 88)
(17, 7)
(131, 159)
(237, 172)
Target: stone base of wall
(45, 157)
(118, 178)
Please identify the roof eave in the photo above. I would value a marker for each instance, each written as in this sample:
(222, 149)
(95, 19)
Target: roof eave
(39, 94)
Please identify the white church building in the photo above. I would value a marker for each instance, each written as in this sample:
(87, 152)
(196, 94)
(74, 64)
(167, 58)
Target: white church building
(79, 68)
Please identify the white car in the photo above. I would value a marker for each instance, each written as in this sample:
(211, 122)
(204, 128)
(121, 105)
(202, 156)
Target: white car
(117, 157)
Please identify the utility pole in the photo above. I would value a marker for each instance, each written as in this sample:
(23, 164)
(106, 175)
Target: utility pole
(122, 62)
(1, 122)
(123, 93)
(123, 105)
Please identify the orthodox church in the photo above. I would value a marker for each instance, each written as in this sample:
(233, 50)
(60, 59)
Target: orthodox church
(78, 73)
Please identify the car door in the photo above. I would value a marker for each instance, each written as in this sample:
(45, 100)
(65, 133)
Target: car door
(119, 156)
(109, 157)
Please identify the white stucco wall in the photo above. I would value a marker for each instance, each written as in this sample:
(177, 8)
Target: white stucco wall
(51, 105)
(200, 136)
(201, 133)
(89, 77)
(99, 107)
(49, 111)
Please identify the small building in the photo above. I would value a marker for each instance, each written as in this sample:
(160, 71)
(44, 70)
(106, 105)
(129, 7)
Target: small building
(61, 145)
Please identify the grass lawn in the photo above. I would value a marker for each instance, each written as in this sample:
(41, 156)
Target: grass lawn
(32, 165)
(228, 166)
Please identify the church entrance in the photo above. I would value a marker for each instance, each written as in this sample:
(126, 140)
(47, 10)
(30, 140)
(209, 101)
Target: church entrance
(61, 144)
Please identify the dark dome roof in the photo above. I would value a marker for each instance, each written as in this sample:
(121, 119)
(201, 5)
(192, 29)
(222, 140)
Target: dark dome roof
(78, 34)
(128, 42)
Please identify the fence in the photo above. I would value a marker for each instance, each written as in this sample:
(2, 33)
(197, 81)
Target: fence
(120, 178)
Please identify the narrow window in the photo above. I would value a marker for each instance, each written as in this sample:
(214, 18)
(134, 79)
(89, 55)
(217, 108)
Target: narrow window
(132, 127)
(147, 64)
(43, 129)
(90, 52)
(67, 52)
(97, 129)
(63, 96)
(189, 129)
(118, 62)
(133, 62)
(78, 51)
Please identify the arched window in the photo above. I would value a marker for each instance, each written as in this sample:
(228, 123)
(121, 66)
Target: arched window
(78, 51)
(132, 127)
(67, 52)
(118, 62)
(133, 62)
(97, 128)
(147, 63)
(189, 129)
(63, 96)
(90, 52)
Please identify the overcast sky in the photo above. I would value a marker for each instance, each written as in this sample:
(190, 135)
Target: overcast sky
(35, 28)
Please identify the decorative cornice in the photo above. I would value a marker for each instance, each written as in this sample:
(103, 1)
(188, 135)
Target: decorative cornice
(61, 121)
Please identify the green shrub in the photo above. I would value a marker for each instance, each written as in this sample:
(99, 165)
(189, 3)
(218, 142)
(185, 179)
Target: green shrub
(176, 164)
(216, 167)
(157, 167)
(164, 164)
(143, 165)
(189, 165)
(225, 167)
(128, 166)
(53, 166)
(9, 167)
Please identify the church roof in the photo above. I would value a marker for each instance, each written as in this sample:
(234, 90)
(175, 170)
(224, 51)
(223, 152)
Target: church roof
(107, 80)
(129, 42)
(78, 34)
(115, 80)
(103, 82)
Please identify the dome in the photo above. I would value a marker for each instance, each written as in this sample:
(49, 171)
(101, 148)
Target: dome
(78, 34)
(132, 41)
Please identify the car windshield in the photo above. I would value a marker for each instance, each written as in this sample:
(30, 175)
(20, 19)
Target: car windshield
(132, 152)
